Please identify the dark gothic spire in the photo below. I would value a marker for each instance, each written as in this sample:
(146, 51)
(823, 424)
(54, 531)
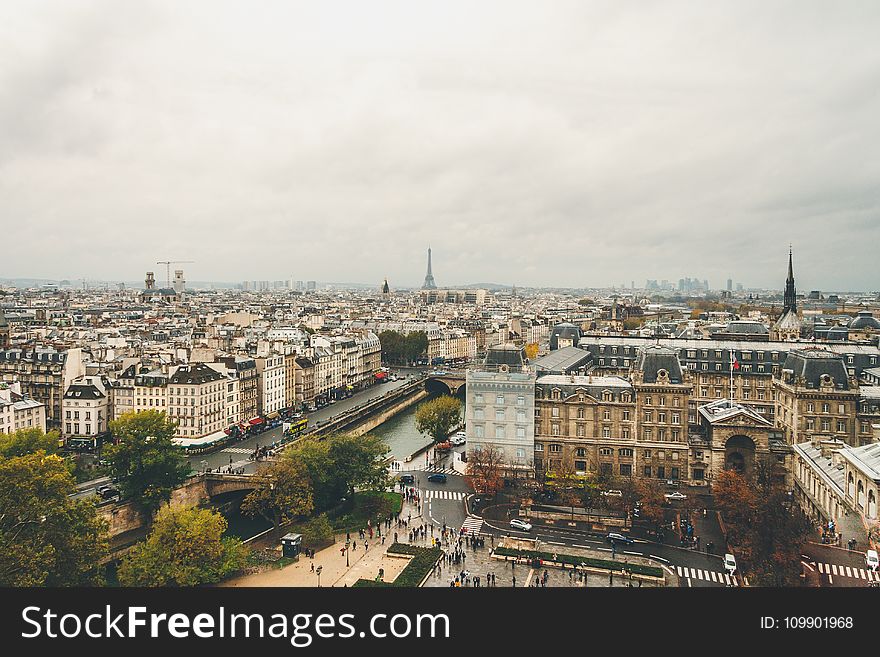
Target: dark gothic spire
(790, 293)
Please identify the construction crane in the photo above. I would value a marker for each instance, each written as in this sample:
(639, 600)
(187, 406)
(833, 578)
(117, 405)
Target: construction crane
(168, 264)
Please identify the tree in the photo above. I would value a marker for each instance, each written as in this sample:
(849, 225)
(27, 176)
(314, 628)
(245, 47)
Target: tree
(484, 470)
(764, 523)
(186, 547)
(358, 462)
(632, 323)
(283, 492)
(338, 464)
(400, 349)
(318, 531)
(531, 350)
(27, 441)
(146, 461)
(46, 537)
(436, 418)
(652, 500)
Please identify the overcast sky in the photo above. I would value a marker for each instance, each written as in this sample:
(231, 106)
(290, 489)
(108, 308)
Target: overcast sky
(540, 143)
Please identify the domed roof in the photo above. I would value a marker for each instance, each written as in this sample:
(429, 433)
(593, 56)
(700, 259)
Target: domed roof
(865, 320)
(655, 359)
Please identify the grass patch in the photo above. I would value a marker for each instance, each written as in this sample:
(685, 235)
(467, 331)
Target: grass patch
(423, 560)
(606, 564)
(368, 505)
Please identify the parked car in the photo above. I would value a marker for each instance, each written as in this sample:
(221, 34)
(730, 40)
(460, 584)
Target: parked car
(407, 479)
(521, 525)
(675, 496)
(872, 560)
(458, 440)
(618, 538)
(437, 478)
(729, 563)
(106, 491)
(612, 493)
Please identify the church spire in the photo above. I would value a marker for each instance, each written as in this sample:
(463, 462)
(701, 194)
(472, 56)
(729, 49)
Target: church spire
(790, 293)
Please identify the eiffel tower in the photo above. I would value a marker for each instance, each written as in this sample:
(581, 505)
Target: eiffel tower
(429, 283)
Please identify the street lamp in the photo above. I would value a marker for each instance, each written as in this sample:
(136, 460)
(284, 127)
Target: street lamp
(347, 543)
(318, 573)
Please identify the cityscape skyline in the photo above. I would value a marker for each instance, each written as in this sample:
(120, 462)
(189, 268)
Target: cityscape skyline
(681, 152)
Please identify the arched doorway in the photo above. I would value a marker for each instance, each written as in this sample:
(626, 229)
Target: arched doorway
(739, 454)
(872, 505)
(860, 497)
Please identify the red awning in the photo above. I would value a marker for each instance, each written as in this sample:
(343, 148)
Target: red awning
(256, 420)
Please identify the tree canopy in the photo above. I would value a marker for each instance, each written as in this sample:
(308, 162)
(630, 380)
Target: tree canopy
(437, 417)
(484, 470)
(400, 349)
(186, 547)
(47, 538)
(148, 465)
(283, 492)
(28, 441)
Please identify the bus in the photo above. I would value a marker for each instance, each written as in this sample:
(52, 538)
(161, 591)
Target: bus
(296, 428)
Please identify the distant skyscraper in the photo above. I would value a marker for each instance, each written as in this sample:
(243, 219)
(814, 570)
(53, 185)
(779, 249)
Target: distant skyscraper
(429, 277)
(311, 286)
(729, 284)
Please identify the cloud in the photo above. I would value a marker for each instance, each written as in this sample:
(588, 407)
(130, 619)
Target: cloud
(562, 145)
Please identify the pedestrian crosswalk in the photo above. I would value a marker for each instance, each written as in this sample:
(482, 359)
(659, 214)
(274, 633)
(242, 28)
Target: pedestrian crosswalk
(706, 575)
(432, 470)
(848, 571)
(444, 495)
(238, 450)
(472, 525)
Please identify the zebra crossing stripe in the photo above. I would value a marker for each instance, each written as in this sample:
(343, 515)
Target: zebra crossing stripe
(714, 578)
(700, 574)
(834, 568)
(821, 568)
(848, 572)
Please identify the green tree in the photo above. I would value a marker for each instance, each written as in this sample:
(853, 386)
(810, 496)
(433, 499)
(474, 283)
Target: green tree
(392, 347)
(186, 547)
(46, 537)
(28, 441)
(416, 345)
(318, 531)
(146, 461)
(283, 492)
(437, 417)
(358, 462)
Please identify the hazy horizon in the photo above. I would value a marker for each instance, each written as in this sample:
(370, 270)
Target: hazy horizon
(544, 145)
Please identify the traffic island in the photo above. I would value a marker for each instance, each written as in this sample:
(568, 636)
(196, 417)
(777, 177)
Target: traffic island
(421, 564)
(636, 568)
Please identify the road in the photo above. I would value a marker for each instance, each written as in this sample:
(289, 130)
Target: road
(827, 565)
(237, 455)
(445, 504)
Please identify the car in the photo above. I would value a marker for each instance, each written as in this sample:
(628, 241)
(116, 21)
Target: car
(521, 525)
(612, 493)
(458, 440)
(675, 496)
(407, 479)
(437, 478)
(619, 538)
(872, 560)
(729, 563)
(106, 491)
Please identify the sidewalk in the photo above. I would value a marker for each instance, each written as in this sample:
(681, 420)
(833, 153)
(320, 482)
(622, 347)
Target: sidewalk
(364, 564)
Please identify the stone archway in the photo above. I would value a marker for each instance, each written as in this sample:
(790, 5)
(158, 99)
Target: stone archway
(739, 454)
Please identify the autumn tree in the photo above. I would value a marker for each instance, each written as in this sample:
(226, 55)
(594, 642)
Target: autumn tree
(531, 350)
(437, 417)
(145, 460)
(737, 501)
(484, 466)
(652, 499)
(47, 538)
(283, 492)
(185, 547)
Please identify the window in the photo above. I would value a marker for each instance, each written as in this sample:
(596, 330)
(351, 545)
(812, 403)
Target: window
(479, 414)
(626, 469)
(606, 432)
(661, 472)
(554, 429)
(698, 474)
(626, 416)
(581, 431)
(841, 409)
(647, 471)
(554, 412)
(625, 452)
(580, 451)
(499, 399)
(606, 451)
(499, 432)
(841, 426)
(555, 448)
(647, 401)
(520, 432)
(624, 433)
(581, 412)
(606, 415)
(580, 466)
(520, 415)
(479, 431)
(649, 435)
(478, 398)
(499, 414)
(674, 473)
(520, 400)
(647, 453)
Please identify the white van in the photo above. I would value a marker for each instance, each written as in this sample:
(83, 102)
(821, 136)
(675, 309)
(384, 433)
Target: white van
(729, 563)
(872, 560)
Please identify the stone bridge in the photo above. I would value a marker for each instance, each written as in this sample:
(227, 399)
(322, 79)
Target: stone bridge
(448, 383)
